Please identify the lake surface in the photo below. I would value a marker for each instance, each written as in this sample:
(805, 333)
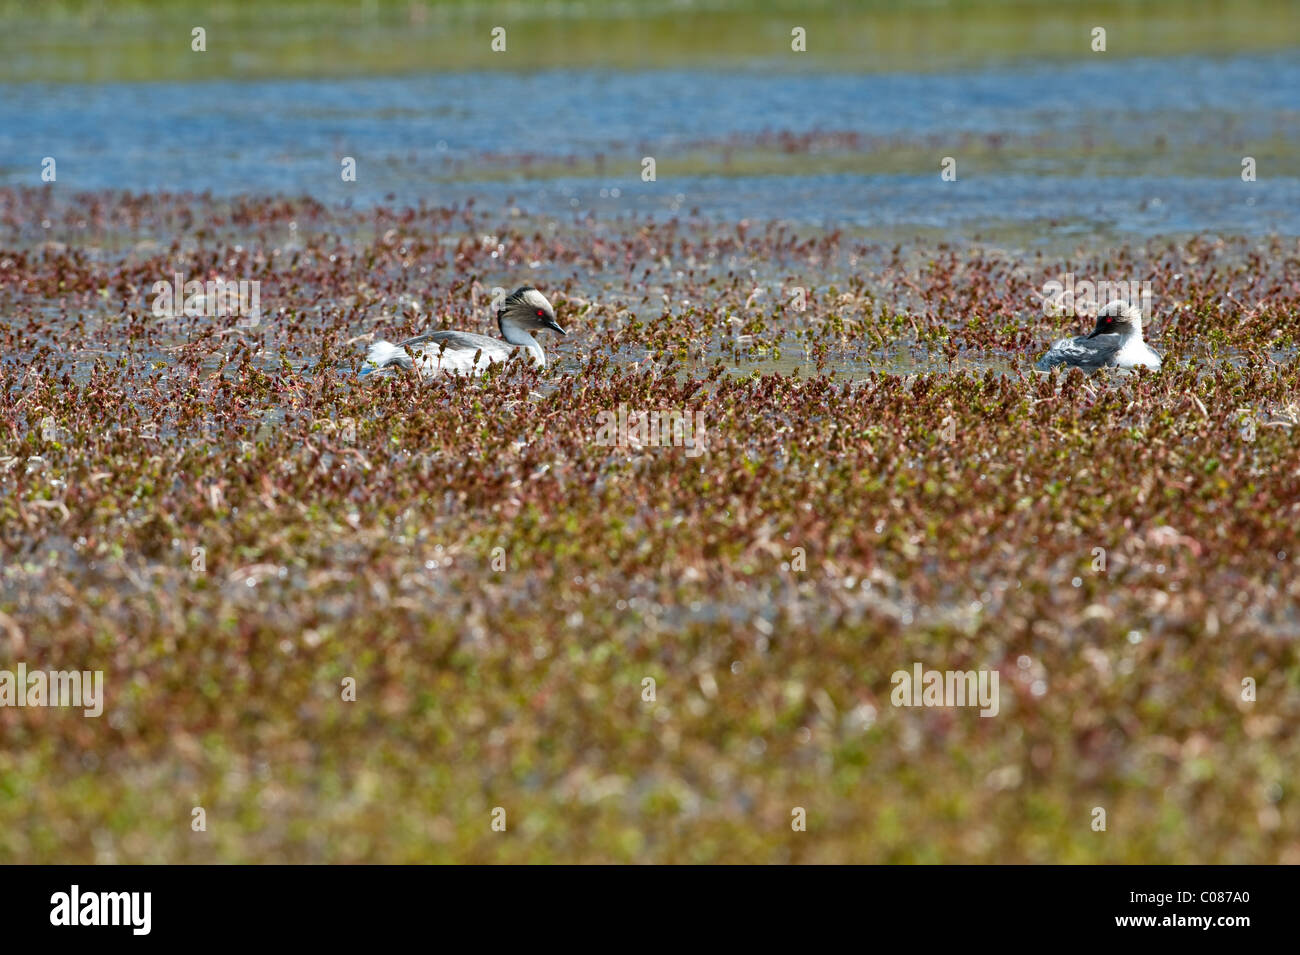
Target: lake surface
(431, 138)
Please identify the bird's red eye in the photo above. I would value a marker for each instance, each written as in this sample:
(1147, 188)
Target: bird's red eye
(540, 313)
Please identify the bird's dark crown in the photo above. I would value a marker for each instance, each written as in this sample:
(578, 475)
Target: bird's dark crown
(1118, 318)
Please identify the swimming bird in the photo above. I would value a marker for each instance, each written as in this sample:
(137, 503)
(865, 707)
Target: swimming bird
(524, 311)
(1116, 342)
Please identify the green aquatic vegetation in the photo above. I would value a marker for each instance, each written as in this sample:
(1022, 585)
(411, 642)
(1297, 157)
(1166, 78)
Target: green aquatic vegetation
(119, 40)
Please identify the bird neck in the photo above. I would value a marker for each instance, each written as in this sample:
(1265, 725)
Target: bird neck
(515, 334)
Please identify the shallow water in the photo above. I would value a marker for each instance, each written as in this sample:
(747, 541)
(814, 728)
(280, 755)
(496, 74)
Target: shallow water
(429, 138)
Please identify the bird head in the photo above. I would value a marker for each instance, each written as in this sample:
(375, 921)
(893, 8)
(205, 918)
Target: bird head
(527, 310)
(1118, 318)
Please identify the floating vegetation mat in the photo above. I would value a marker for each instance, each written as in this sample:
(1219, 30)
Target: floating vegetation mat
(668, 598)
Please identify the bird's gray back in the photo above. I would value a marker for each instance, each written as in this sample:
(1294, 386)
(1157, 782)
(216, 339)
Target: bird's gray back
(458, 341)
(1082, 352)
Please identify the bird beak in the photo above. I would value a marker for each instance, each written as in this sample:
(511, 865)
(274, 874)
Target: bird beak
(554, 326)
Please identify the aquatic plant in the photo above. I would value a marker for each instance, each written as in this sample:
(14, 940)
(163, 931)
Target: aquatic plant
(220, 518)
